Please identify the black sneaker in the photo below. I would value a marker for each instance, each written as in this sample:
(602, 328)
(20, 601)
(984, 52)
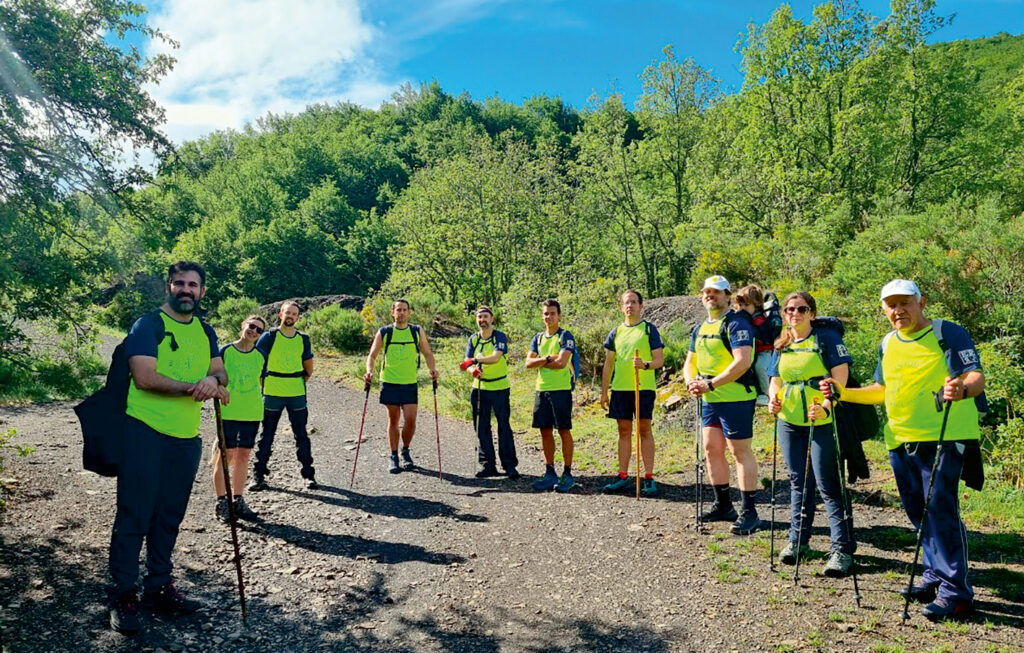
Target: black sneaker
(512, 473)
(942, 609)
(124, 613)
(311, 484)
(747, 523)
(920, 593)
(407, 463)
(489, 471)
(168, 600)
(242, 509)
(719, 512)
(258, 484)
(393, 465)
(223, 510)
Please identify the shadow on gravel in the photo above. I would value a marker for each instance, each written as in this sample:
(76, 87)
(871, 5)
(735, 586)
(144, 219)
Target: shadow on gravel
(400, 507)
(984, 547)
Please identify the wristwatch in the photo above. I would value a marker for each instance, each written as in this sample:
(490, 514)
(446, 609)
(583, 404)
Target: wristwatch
(647, 365)
(711, 386)
(547, 360)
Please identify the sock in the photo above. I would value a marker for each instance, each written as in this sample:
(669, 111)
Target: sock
(394, 452)
(404, 448)
(648, 477)
(237, 497)
(748, 500)
(549, 469)
(623, 475)
(222, 497)
(722, 495)
(567, 470)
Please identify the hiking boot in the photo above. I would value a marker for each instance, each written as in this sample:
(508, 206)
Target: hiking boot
(747, 523)
(242, 509)
(546, 483)
(393, 465)
(407, 463)
(223, 510)
(168, 600)
(788, 555)
(311, 484)
(488, 471)
(920, 593)
(512, 473)
(565, 483)
(838, 564)
(124, 613)
(619, 484)
(649, 488)
(942, 609)
(719, 512)
(259, 484)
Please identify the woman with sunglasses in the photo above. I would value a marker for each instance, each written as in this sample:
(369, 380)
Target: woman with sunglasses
(244, 364)
(804, 354)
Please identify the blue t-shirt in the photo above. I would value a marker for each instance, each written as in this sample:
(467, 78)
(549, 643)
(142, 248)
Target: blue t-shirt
(500, 342)
(565, 341)
(961, 354)
(652, 334)
(833, 351)
(741, 331)
(144, 337)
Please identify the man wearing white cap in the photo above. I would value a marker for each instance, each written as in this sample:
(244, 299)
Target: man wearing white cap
(718, 370)
(923, 364)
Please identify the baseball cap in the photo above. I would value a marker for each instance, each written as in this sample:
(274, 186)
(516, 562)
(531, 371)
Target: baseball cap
(900, 287)
(718, 282)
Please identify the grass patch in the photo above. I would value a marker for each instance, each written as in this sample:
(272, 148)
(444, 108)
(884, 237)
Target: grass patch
(816, 639)
(836, 617)
(868, 625)
(887, 648)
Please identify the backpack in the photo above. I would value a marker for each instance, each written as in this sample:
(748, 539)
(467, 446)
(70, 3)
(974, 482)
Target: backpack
(388, 331)
(575, 363)
(749, 378)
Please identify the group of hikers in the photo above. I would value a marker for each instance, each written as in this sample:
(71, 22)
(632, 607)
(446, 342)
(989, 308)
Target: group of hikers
(928, 377)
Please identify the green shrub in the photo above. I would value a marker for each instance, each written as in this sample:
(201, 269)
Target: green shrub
(336, 328)
(127, 306)
(230, 313)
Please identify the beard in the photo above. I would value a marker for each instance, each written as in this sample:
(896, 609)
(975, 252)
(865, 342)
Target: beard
(289, 321)
(183, 303)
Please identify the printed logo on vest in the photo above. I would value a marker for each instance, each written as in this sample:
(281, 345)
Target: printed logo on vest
(841, 351)
(743, 334)
(968, 356)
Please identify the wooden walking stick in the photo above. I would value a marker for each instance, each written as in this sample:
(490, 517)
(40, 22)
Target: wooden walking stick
(222, 444)
(359, 441)
(636, 415)
(437, 429)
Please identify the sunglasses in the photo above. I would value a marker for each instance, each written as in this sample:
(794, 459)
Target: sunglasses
(791, 310)
(255, 327)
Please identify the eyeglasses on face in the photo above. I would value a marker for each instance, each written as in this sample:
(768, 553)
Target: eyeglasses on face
(255, 327)
(790, 310)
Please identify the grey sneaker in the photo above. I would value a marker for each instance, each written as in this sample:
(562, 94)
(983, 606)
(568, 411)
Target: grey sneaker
(223, 511)
(407, 462)
(393, 464)
(838, 564)
(242, 509)
(788, 555)
(747, 523)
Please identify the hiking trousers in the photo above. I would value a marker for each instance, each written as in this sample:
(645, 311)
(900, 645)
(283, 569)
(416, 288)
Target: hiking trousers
(497, 402)
(297, 415)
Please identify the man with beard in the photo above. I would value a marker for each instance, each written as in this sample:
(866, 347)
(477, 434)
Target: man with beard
(175, 366)
(289, 366)
(717, 371)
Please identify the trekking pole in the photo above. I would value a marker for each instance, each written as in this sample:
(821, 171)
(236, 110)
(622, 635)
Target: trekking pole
(636, 414)
(803, 501)
(847, 506)
(775, 458)
(939, 400)
(437, 429)
(476, 412)
(355, 462)
(699, 470)
(222, 444)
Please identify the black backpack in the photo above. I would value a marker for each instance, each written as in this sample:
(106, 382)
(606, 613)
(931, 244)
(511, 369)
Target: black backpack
(389, 331)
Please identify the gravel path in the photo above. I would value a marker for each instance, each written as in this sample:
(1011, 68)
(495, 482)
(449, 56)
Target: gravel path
(410, 562)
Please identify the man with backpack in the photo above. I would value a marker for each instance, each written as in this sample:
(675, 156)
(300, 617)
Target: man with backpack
(175, 366)
(930, 379)
(632, 348)
(767, 322)
(551, 354)
(487, 362)
(403, 345)
(718, 372)
(289, 366)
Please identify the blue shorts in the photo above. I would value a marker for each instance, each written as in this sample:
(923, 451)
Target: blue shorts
(735, 418)
(240, 434)
(399, 394)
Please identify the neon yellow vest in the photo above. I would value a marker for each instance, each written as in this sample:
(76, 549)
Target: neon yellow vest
(712, 359)
(798, 364)
(493, 375)
(398, 365)
(627, 340)
(285, 358)
(550, 379)
(913, 367)
(244, 370)
(183, 355)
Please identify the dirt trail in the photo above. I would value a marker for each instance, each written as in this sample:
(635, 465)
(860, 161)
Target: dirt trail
(410, 562)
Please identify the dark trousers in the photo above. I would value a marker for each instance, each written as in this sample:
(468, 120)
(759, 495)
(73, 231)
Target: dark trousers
(496, 401)
(824, 474)
(297, 415)
(153, 486)
(944, 540)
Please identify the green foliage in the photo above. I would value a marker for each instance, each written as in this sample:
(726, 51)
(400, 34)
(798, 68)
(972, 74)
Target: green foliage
(336, 328)
(231, 312)
(6, 447)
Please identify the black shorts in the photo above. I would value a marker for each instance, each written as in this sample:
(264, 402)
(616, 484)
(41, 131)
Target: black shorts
(239, 434)
(621, 404)
(399, 394)
(552, 409)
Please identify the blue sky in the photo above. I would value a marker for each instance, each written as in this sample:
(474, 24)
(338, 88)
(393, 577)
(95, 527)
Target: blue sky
(239, 60)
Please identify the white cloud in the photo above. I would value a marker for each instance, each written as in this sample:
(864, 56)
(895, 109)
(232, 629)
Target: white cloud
(240, 59)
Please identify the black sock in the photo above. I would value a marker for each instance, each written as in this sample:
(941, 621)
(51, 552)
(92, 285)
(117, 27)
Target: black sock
(722, 495)
(748, 500)
(567, 470)
(394, 452)
(237, 497)
(549, 469)
(405, 449)
(222, 497)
